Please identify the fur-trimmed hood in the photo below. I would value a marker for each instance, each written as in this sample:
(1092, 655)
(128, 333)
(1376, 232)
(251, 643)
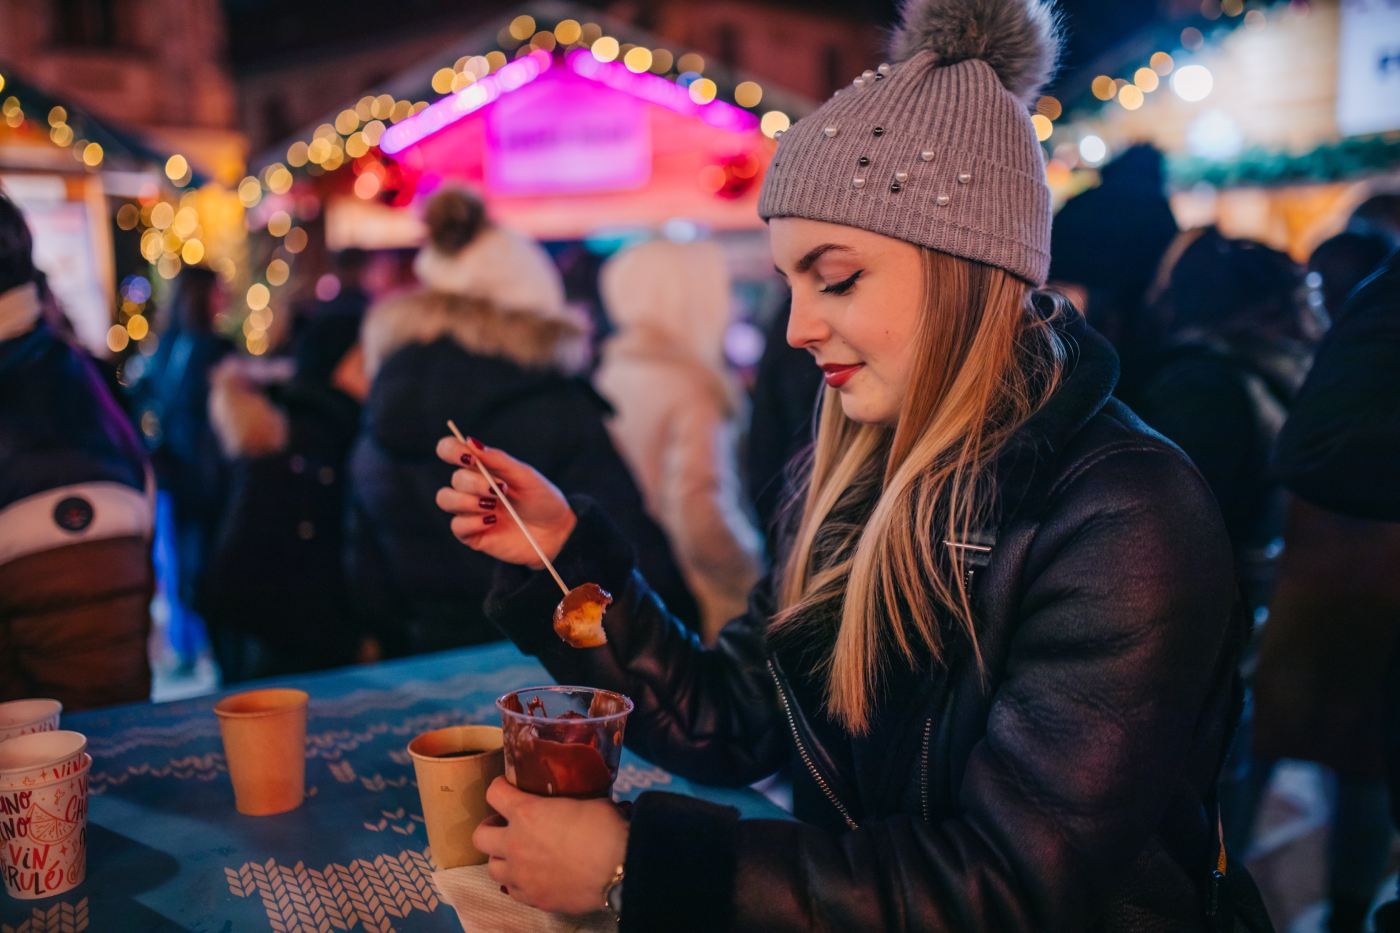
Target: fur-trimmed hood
(499, 296)
(558, 341)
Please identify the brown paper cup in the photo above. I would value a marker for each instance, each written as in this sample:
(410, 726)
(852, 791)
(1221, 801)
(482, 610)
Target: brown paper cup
(453, 790)
(43, 835)
(265, 745)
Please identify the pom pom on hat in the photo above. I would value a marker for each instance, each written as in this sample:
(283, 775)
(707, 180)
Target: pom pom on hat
(1019, 39)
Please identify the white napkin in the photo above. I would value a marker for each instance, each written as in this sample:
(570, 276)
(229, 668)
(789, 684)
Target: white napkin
(482, 908)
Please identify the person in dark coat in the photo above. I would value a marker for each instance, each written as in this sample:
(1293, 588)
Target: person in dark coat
(1331, 651)
(1000, 649)
(785, 393)
(188, 464)
(1239, 347)
(1340, 263)
(488, 342)
(76, 510)
(1223, 384)
(1105, 250)
(275, 592)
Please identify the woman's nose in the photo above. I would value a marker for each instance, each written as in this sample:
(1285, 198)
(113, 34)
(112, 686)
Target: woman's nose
(805, 327)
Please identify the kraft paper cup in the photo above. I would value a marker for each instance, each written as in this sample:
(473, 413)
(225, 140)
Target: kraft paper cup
(265, 746)
(43, 835)
(453, 790)
(40, 757)
(21, 717)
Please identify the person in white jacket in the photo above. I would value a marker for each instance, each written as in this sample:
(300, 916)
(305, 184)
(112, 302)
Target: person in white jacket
(678, 411)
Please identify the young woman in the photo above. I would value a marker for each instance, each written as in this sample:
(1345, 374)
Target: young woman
(1000, 649)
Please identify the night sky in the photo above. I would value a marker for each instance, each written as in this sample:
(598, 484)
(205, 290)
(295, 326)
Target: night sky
(263, 30)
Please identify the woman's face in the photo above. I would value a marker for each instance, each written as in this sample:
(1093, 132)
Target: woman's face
(856, 301)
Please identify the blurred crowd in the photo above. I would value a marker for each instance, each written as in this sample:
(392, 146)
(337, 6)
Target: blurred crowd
(294, 525)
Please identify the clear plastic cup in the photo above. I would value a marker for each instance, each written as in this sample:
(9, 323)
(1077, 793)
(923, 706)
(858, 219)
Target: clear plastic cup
(563, 741)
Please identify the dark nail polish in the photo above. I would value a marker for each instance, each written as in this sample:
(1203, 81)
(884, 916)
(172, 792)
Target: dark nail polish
(487, 502)
(505, 890)
(489, 520)
(476, 443)
(466, 459)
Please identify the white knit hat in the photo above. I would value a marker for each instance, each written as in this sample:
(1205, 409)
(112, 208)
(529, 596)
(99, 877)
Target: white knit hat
(509, 271)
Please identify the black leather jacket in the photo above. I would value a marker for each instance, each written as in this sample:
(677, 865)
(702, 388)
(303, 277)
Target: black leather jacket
(1066, 791)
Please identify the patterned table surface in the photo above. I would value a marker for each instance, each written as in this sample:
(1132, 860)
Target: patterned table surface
(167, 850)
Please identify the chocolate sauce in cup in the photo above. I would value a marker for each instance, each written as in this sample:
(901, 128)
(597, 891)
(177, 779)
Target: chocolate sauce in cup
(563, 741)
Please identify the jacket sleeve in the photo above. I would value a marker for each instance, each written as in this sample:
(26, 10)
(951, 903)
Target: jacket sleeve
(709, 714)
(1124, 636)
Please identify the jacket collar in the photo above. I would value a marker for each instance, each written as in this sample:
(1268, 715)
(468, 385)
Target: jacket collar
(1090, 378)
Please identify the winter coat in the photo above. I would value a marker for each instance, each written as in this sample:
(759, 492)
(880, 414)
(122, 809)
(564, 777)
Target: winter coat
(510, 379)
(1065, 788)
(275, 592)
(1330, 656)
(76, 515)
(1224, 401)
(677, 413)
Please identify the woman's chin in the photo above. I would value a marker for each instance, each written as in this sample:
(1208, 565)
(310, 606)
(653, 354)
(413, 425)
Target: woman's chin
(862, 409)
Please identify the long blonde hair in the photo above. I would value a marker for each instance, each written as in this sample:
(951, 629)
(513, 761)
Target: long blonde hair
(987, 361)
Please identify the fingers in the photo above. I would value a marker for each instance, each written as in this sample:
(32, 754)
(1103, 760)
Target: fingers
(498, 870)
(501, 464)
(450, 450)
(504, 797)
(470, 528)
(490, 840)
(466, 503)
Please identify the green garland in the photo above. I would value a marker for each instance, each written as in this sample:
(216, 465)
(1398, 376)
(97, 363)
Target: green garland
(1334, 161)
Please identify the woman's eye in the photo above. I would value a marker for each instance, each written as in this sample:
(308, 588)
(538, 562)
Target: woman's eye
(840, 288)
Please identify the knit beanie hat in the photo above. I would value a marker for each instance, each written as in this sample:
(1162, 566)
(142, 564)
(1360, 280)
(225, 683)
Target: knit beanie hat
(936, 149)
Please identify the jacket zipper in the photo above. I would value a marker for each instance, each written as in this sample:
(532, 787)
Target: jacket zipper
(802, 751)
(923, 769)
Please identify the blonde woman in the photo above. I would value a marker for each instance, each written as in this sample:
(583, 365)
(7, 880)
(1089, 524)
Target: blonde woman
(1000, 651)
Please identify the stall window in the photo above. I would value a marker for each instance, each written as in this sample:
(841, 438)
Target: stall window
(87, 24)
(832, 75)
(276, 121)
(727, 39)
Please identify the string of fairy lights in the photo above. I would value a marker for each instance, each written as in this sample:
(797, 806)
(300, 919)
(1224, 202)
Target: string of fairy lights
(353, 137)
(1073, 143)
(179, 223)
(182, 224)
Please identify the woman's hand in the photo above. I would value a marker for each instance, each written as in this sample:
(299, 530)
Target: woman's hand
(554, 853)
(482, 523)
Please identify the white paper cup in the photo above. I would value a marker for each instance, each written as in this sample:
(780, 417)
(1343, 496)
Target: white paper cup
(40, 757)
(21, 717)
(43, 835)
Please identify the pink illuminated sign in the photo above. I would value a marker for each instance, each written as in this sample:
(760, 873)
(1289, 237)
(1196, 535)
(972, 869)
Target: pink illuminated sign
(567, 135)
(661, 91)
(470, 99)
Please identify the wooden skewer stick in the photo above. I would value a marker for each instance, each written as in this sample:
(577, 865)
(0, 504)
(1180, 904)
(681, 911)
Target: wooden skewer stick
(500, 496)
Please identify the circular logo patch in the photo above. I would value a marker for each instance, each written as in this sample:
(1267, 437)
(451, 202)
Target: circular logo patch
(73, 514)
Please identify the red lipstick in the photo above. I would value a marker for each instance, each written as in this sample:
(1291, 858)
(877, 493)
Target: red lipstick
(838, 374)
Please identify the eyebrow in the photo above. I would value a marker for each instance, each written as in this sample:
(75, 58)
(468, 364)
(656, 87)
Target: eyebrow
(809, 260)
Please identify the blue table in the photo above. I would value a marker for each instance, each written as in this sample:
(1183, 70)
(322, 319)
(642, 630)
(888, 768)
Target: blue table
(167, 850)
